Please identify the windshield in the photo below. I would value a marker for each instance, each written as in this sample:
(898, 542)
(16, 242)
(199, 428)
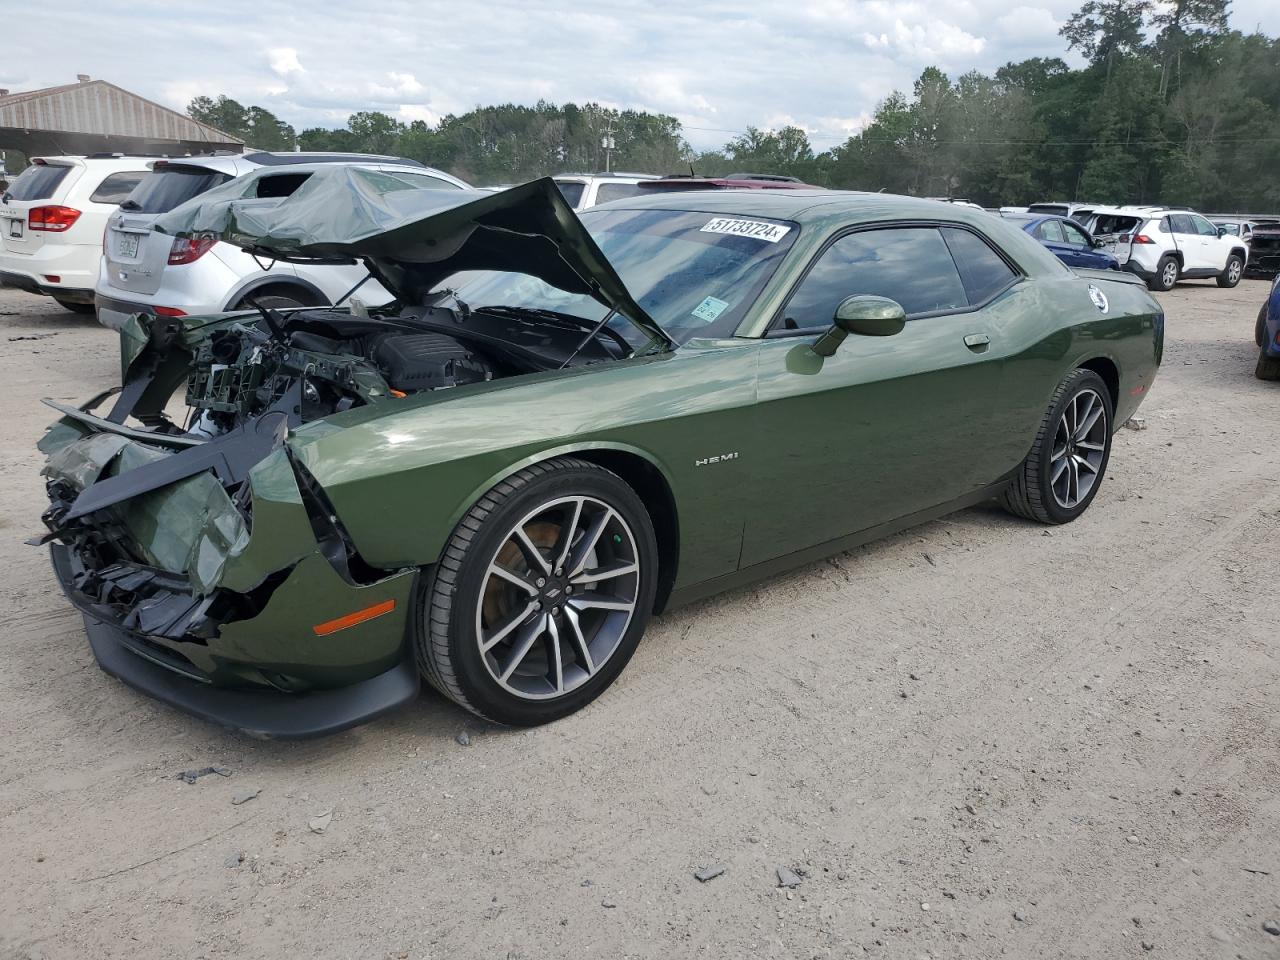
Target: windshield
(695, 274)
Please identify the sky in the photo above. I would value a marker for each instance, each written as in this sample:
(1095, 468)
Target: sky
(717, 66)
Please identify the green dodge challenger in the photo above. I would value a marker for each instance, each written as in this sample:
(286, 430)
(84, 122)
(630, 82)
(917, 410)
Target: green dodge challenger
(284, 519)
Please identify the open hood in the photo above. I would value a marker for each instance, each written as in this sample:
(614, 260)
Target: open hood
(411, 238)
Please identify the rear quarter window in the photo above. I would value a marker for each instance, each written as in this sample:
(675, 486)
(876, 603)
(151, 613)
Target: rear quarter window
(616, 191)
(571, 190)
(983, 271)
(117, 187)
(38, 182)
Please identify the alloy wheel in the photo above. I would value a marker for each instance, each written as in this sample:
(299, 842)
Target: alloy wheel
(1079, 446)
(557, 598)
(1234, 269)
(1170, 274)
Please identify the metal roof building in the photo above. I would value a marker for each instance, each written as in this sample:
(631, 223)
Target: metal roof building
(93, 116)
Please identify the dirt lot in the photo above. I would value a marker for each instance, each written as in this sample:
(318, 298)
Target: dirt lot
(978, 738)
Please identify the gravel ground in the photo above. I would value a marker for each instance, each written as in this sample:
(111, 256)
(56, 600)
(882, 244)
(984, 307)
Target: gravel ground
(974, 739)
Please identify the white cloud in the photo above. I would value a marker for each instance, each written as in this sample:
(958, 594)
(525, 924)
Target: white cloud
(284, 61)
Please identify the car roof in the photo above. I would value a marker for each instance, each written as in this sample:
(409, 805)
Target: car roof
(279, 159)
(806, 205)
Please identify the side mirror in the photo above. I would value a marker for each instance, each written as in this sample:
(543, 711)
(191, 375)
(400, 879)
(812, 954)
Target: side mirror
(1222, 231)
(864, 315)
(1095, 242)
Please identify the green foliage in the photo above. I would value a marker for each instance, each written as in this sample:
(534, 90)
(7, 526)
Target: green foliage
(1172, 107)
(257, 127)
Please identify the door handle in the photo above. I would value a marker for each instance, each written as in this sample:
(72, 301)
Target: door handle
(977, 342)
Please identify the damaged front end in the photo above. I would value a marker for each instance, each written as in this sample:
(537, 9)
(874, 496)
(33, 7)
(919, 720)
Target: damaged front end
(203, 553)
(210, 564)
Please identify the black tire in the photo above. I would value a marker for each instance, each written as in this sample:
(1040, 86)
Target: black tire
(84, 308)
(1164, 278)
(1232, 272)
(1268, 368)
(1031, 494)
(1260, 328)
(447, 602)
(272, 301)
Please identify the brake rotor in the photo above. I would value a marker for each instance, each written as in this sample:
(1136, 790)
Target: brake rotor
(501, 598)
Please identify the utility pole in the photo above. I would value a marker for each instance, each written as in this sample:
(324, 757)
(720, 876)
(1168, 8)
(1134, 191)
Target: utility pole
(608, 143)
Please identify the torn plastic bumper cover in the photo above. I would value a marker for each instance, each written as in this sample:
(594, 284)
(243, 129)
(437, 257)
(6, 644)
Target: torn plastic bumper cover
(191, 563)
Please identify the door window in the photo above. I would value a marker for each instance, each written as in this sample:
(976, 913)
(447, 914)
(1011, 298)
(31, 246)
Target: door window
(1075, 236)
(1204, 227)
(1182, 223)
(908, 264)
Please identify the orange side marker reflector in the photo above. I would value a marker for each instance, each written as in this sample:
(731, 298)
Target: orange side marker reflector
(1137, 390)
(398, 394)
(351, 619)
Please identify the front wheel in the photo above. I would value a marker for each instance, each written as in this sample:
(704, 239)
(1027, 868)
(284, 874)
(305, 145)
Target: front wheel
(1062, 474)
(541, 595)
(1260, 328)
(1232, 273)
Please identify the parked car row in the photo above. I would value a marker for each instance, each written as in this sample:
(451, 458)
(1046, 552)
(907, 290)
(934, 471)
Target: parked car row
(79, 229)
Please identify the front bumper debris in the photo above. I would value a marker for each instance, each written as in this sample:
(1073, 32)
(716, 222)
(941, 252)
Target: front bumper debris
(197, 677)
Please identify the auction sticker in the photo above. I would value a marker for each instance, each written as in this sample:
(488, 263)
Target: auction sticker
(709, 309)
(756, 229)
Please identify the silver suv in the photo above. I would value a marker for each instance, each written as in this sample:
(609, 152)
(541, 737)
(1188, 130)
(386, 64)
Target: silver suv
(148, 272)
(583, 190)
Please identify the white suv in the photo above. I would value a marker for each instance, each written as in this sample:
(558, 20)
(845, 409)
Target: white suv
(51, 222)
(583, 190)
(148, 272)
(1164, 245)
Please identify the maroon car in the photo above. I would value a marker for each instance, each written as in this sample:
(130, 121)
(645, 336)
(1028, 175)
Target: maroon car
(734, 181)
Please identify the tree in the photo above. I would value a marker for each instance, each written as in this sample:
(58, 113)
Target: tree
(1106, 30)
(256, 126)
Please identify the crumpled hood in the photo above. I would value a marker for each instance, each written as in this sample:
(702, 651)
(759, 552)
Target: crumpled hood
(411, 238)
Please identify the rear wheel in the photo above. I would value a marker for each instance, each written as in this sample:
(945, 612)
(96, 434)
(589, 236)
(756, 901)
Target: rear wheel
(73, 306)
(1268, 368)
(1233, 271)
(1064, 470)
(1166, 274)
(541, 595)
(1260, 328)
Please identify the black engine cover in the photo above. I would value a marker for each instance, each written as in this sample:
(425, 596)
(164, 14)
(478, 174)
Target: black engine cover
(425, 361)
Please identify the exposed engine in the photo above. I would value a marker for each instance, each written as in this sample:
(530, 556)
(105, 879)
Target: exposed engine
(318, 363)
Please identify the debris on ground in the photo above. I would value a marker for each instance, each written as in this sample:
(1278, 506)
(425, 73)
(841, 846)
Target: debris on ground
(1271, 927)
(464, 739)
(233, 860)
(608, 904)
(708, 873)
(244, 796)
(320, 822)
(1136, 423)
(33, 336)
(788, 878)
(191, 776)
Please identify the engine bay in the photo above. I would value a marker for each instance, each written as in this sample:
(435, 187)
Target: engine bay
(316, 362)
